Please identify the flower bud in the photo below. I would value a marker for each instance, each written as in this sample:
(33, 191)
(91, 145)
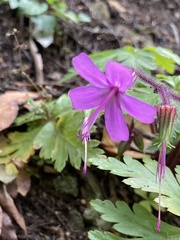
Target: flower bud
(166, 116)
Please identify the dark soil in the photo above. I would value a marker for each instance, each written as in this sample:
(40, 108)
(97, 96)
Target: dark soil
(49, 213)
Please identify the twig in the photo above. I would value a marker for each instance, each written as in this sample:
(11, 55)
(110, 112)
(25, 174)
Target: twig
(176, 33)
(38, 62)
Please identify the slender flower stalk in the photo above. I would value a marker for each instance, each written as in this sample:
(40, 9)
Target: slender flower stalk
(160, 172)
(85, 140)
(163, 91)
(166, 116)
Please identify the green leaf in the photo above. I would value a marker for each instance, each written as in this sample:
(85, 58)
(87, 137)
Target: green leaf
(144, 177)
(148, 201)
(137, 223)
(84, 17)
(137, 58)
(54, 134)
(173, 81)
(29, 7)
(169, 54)
(45, 23)
(13, 4)
(97, 235)
(32, 8)
(60, 107)
(146, 59)
(59, 142)
(177, 169)
(51, 110)
(165, 58)
(43, 30)
(19, 146)
(11, 169)
(145, 94)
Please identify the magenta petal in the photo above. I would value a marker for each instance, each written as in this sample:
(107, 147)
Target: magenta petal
(119, 76)
(142, 111)
(87, 97)
(89, 71)
(115, 123)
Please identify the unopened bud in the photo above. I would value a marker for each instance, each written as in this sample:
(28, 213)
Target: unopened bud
(166, 117)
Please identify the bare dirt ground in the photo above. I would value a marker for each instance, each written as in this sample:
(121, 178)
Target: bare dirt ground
(51, 213)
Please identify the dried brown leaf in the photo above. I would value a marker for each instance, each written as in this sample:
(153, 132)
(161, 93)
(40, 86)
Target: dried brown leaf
(9, 106)
(17, 96)
(135, 154)
(116, 5)
(20, 185)
(8, 231)
(108, 144)
(23, 182)
(8, 112)
(1, 217)
(8, 205)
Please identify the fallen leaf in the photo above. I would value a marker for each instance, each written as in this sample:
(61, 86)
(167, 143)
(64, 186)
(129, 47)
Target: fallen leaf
(116, 5)
(8, 112)
(135, 154)
(17, 97)
(9, 106)
(108, 144)
(49, 169)
(20, 185)
(1, 217)
(8, 231)
(8, 205)
(23, 182)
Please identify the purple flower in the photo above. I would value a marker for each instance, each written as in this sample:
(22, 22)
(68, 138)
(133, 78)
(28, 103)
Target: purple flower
(107, 91)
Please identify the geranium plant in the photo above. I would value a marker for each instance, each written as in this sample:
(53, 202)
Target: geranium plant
(111, 92)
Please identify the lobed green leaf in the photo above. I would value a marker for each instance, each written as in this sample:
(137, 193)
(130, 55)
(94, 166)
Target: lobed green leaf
(144, 177)
(138, 222)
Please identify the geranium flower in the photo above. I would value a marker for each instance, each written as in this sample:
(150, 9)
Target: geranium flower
(107, 91)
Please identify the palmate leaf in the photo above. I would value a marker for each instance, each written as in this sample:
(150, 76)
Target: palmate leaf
(57, 138)
(178, 173)
(165, 58)
(137, 58)
(59, 142)
(27, 7)
(137, 222)
(18, 146)
(97, 235)
(144, 177)
(173, 81)
(145, 94)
